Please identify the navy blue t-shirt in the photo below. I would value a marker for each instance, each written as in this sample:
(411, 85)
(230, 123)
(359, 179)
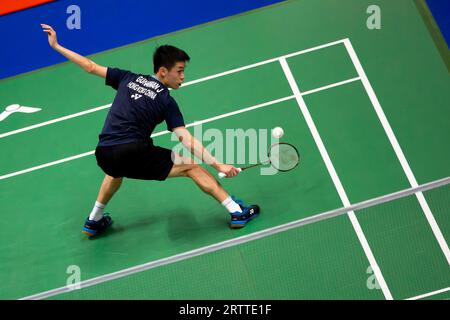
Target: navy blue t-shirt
(141, 103)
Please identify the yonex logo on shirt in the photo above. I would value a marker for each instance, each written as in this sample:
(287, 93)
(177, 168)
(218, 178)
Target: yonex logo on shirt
(136, 96)
(148, 92)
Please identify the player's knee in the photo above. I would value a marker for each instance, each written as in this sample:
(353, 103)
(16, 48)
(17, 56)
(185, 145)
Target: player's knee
(193, 170)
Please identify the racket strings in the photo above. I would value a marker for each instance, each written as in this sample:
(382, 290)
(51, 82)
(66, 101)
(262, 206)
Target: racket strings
(284, 157)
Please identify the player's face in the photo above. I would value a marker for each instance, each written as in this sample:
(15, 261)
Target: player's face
(175, 76)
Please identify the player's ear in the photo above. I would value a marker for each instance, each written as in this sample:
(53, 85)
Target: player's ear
(163, 71)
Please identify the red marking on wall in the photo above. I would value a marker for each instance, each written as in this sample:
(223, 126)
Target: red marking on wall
(9, 6)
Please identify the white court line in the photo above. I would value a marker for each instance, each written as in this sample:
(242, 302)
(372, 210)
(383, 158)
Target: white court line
(429, 294)
(217, 75)
(335, 178)
(330, 86)
(265, 104)
(49, 164)
(290, 55)
(46, 123)
(398, 151)
(239, 240)
(229, 114)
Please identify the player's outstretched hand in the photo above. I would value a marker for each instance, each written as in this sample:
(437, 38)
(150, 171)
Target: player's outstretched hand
(51, 35)
(227, 169)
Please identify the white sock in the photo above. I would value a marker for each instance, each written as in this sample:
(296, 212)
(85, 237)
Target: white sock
(97, 211)
(231, 205)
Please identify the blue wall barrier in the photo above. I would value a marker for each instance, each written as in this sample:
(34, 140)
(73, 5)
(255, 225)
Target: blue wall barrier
(441, 13)
(104, 24)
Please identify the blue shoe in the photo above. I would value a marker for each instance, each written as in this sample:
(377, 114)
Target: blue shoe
(238, 201)
(240, 219)
(94, 228)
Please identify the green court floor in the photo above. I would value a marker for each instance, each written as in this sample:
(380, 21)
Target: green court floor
(348, 156)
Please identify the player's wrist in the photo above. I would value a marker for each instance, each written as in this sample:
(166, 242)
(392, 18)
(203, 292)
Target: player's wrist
(216, 165)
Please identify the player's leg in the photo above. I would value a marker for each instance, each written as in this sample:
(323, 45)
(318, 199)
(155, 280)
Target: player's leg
(202, 178)
(240, 214)
(109, 187)
(97, 220)
(185, 167)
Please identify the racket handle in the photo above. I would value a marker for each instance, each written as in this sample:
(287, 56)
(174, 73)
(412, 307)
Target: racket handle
(223, 175)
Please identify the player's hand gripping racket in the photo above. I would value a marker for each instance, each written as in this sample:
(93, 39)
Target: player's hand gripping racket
(282, 156)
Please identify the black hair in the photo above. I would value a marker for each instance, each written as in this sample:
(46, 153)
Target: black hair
(167, 56)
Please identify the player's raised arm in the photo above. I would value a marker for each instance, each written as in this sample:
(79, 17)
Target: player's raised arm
(85, 63)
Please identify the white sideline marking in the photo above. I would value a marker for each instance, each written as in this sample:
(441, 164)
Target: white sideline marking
(46, 123)
(217, 75)
(335, 178)
(330, 86)
(49, 164)
(229, 114)
(263, 62)
(398, 151)
(429, 294)
(239, 240)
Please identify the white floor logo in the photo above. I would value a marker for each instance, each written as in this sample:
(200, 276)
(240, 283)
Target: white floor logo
(136, 96)
(17, 108)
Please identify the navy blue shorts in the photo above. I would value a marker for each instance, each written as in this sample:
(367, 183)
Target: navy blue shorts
(136, 160)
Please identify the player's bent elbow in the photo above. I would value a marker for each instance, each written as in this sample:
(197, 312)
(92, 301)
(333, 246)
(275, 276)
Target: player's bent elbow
(96, 69)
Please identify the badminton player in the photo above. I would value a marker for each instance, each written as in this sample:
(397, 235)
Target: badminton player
(125, 149)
